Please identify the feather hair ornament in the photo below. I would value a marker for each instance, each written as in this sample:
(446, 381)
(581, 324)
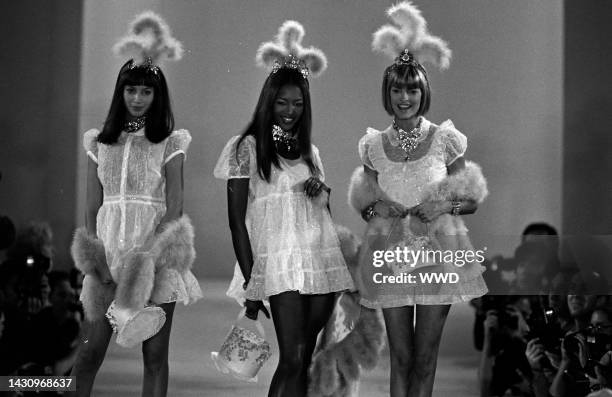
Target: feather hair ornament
(410, 40)
(286, 51)
(149, 41)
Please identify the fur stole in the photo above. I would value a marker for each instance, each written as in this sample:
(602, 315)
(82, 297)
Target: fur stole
(170, 249)
(335, 369)
(467, 184)
(90, 258)
(351, 340)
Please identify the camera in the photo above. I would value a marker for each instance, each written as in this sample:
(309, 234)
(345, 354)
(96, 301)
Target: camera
(596, 344)
(548, 331)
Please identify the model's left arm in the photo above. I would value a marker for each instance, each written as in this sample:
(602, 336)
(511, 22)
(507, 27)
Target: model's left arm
(463, 188)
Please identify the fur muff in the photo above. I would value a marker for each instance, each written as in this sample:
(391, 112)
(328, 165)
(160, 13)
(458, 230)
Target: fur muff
(88, 253)
(173, 247)
(135, 281)
(90, 258)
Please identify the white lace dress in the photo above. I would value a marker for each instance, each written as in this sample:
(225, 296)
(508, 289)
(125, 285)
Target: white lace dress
(405, 181)
(295, 246)
(134, 189)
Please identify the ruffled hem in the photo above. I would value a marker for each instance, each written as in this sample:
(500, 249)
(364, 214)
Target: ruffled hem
(431, 294)
(173, 286)
(332, 278)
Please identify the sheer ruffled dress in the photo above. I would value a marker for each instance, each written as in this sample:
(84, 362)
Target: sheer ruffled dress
(407, 182)
(295, 246)
(134, 186)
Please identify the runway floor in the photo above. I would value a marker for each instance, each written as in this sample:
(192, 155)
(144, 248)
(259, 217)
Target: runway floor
(201, 328)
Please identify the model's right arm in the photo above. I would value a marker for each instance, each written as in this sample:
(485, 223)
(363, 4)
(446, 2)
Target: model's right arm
(94, 197)
(94, 202)
(237, 199)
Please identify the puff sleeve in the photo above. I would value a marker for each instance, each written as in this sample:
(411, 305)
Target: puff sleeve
(237, 162)
(454, 142)
(177, 143)
(363, 149)
(316, 157)
(90, 144)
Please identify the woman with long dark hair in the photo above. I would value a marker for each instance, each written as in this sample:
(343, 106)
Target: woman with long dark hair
(134, 214)
(284, 239)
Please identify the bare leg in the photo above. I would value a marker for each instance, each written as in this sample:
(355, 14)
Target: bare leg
(90, 356)
(400, 331)
(430, 320)
(155, 358)
(288, 313)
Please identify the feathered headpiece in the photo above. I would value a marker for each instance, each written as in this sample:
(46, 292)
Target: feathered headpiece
(410, 41)
(148, 41)
(287, 52)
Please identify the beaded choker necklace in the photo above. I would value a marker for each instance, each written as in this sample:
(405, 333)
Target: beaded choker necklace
(135, 125)
(408, 140)
(284, 141)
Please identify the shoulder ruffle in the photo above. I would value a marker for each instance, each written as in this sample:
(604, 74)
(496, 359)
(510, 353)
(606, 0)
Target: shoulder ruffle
(177, 143)
(453, 141)
(365, 143)
(90, 143)
(238, 162)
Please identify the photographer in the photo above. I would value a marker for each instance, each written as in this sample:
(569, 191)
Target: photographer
(583, 347)
(503, 365)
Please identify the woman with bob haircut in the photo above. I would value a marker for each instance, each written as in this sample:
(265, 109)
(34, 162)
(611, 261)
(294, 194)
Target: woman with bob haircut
(287, 248)
(412, 187)
(136, 248)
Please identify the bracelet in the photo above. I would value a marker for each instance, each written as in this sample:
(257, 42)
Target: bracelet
(369, 212)
(456, 208)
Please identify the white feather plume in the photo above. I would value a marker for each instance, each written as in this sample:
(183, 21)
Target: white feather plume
(149, 36)
(411, 33)
(288, 43)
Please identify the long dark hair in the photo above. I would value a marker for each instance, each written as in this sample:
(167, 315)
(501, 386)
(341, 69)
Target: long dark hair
(260, 126)
(160, 120)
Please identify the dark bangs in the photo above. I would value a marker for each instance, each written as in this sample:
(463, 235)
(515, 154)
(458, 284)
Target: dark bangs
(160, 119)
(410, 76)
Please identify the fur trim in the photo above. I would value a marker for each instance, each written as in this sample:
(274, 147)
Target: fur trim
(173, 247)
(135, 281)
(467, 184)
(96, 298)
(363, 190)
(170, 249)
(88, 253)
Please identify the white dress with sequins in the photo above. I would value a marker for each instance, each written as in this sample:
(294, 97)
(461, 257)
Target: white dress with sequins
(294, 244)
(134, 201)
(404, 181)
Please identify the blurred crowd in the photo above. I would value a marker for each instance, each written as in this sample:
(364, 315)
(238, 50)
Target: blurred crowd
(545, 329)
(40, 314)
